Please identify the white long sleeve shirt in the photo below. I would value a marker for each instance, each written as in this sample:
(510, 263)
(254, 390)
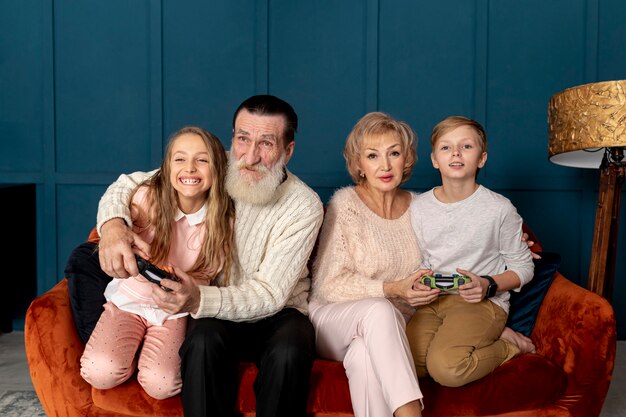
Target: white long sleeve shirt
(481, 234)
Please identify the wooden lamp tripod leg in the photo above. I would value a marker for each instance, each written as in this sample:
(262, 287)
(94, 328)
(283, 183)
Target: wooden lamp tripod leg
(604, 247)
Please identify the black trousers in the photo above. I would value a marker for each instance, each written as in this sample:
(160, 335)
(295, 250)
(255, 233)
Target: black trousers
(282, 347)
(86, 284)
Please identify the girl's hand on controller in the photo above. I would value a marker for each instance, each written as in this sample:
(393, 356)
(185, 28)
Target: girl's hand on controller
(184, 297)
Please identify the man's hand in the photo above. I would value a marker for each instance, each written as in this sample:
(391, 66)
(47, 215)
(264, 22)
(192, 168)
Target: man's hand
(184, 297)
(117, 248)
(530, 243)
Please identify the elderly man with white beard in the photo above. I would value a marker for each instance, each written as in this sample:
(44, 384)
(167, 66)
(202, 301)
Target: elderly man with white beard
(260, 316)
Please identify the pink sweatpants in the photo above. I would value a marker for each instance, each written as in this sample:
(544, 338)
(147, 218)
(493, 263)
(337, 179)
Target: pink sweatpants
(369, 336)
(109, 358)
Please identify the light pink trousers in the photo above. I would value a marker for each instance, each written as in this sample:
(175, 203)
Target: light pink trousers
(369, 336)
(110, 355)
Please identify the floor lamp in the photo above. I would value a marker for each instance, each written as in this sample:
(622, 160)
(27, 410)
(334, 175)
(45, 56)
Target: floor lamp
(587, 129)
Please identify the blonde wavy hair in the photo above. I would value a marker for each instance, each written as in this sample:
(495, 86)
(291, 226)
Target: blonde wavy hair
(162, 198)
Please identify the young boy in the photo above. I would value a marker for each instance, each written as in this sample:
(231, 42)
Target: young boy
(465, 229)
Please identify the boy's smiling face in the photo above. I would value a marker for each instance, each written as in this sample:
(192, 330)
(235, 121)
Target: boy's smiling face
(458, 154)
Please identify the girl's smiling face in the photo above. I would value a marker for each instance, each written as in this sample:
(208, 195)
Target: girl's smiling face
(190, 172)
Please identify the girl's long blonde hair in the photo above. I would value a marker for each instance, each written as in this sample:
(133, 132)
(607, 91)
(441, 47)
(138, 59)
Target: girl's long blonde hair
(162, 199)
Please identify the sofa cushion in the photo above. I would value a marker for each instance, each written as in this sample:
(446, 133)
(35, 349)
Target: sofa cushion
(329, 388)
(130, 399)
(53, 350)
(329, 394)
(525, 303)
(524, 383)
(542, 384)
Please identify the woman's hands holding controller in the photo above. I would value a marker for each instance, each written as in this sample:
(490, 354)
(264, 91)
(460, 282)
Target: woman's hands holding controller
(411, 290)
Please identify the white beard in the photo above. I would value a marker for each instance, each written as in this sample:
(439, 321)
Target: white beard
(245, 190)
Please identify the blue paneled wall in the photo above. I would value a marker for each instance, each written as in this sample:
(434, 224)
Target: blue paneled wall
(90, 89)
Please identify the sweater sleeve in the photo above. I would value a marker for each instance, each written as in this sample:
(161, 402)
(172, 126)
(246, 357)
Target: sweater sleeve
(515, 252)
(115, 201)
(336, 275)
(268, 289)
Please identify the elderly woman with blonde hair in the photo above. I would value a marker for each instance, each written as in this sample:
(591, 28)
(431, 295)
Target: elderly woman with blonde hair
(365, 268)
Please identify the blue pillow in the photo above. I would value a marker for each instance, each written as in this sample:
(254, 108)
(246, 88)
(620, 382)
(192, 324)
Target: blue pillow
(525, 303)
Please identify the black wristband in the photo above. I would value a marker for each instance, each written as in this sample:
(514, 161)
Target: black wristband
(492, 288)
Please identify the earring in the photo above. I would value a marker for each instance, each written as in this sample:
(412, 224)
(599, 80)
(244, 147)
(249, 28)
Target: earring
(361, 174)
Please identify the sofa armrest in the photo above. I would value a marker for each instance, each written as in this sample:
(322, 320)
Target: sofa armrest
(576, 330)
(53, 351)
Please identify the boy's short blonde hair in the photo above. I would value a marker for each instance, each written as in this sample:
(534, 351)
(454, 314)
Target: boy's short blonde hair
(451, 123)
(376, 124)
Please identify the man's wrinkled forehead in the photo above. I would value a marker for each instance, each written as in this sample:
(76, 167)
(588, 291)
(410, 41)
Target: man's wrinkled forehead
(262, 125)
(265, 136)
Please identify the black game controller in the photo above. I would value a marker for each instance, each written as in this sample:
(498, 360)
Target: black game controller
(445, 283)
(153, 273)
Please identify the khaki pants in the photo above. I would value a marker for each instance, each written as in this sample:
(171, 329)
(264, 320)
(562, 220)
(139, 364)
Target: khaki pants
(457, 342)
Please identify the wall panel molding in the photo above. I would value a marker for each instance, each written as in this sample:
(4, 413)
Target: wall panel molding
(93, 89)
(155, 30)
(47, 267)
(481, 60)
(372, 26)
(591, 40)
(262, 43)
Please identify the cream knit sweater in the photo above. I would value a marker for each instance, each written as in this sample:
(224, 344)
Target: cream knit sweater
(359, 250)
(273, 243)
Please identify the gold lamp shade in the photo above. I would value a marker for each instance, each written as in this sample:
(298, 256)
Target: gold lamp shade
(584, 120)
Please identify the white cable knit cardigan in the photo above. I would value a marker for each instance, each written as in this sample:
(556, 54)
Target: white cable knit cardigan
(273, 244)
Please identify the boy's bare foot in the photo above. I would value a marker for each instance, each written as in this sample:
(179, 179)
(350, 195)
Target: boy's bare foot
(523, 343)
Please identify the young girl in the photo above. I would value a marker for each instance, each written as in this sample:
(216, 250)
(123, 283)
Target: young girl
(183, 211)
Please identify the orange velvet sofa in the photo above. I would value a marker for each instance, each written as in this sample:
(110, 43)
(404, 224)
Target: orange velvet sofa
(569, 375)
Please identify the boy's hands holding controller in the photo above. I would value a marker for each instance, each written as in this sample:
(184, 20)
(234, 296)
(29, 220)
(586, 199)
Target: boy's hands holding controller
(474, 291)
